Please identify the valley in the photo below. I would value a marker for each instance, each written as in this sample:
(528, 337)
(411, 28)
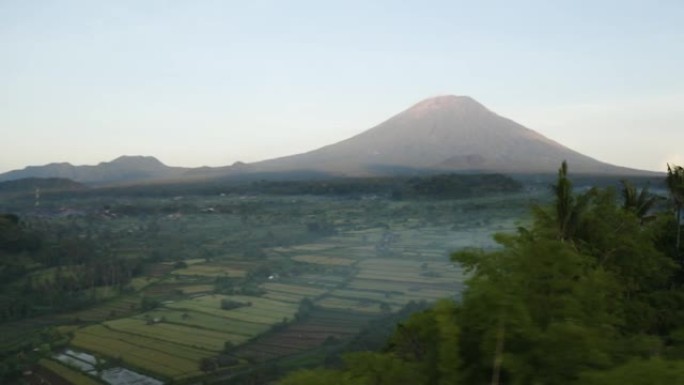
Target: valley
(227, 286)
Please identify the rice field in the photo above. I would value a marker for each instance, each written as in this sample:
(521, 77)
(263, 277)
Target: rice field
(304, 291)
(324, 260)
(197, 289)
(140, 283)
(118, 307)
(207, 339)
(387, 297)
(354, 276)
(172, 339)
(157, 356)
(261, 311)
(356, 305)
(205, 321)
(314, 247)
(211, 270)
(314, 331)
(284, 297)
(190, 261)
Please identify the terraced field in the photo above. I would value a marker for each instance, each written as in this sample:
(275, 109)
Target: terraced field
(379, 260)
(257, 310)
(119, 307)
(323, 260)
(314, 331)
(284, 297)
(206, 339)
(212, 270)
(301, 290)
(157, 356)
(355, 305)
(358, 286)
(387, 297)
(205, 321)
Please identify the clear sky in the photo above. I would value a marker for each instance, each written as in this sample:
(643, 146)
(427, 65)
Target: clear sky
(212, 82)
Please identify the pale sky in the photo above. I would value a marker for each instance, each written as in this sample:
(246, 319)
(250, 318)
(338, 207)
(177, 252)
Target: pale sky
(212, 82)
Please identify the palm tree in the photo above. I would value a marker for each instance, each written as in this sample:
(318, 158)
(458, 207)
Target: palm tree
(569, 207)
(638, 202)
(675, 183)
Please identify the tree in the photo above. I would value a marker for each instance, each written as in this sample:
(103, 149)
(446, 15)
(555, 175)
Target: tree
(567, 207)
(229, 304)
(149, 303)
(639, 202)
(382, 369)
(543, 294)
(675, 184)
(317, 377)
(638, 372)
(208, 364)
(306, 306)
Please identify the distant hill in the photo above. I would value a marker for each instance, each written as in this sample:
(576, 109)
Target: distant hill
(447, 133)
(124, 169)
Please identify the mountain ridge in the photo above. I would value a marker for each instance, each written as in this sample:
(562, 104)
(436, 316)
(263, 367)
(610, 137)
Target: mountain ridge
(445, 133)
(124, 168)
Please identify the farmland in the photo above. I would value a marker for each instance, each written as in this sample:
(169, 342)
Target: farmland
(150, 354)
(222, 283)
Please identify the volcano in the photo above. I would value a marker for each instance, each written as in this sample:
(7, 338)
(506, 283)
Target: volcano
(445, 133)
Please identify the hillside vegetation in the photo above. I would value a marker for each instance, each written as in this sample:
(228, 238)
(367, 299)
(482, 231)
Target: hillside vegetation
(591, 292)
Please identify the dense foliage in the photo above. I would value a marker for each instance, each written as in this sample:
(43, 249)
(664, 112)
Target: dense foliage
(442, 186)
(589, 293)
(73, 267)
(438, 186)
(30, 185)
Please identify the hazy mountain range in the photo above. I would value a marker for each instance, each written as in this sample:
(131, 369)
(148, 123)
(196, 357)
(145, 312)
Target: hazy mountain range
(440, 134)
(121, 169)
